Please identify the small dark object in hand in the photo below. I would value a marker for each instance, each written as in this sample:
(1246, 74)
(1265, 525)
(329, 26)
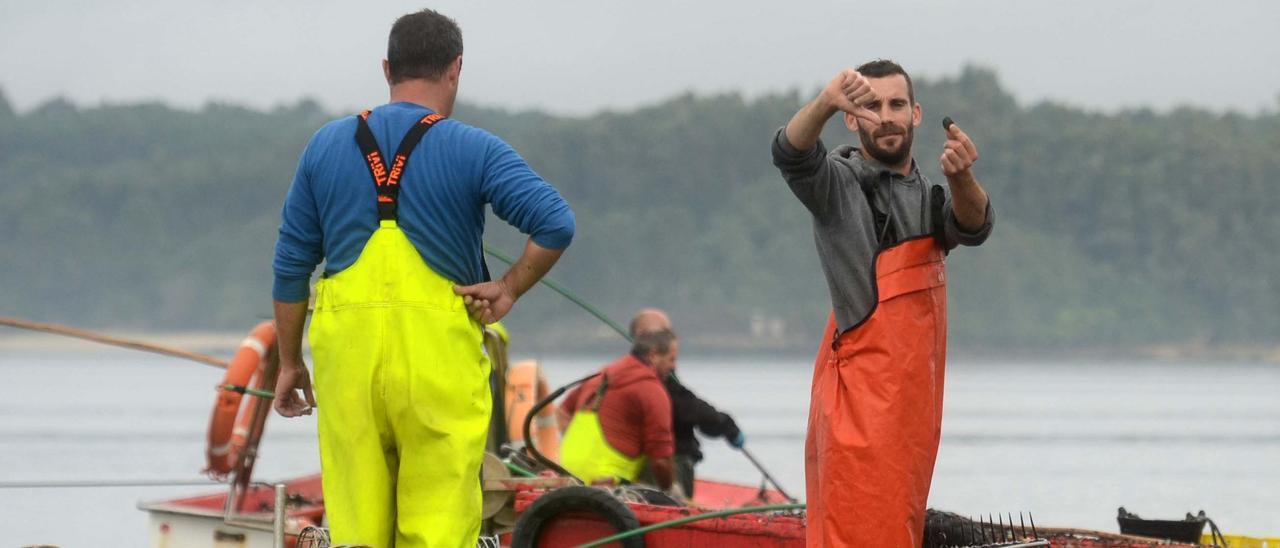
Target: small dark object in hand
(947, 122)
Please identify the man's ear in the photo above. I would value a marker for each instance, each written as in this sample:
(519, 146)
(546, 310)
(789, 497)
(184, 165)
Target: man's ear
(851, 122)
(917, 114)
(455, 69)
(386, 70)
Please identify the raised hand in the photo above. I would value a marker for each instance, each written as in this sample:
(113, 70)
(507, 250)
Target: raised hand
(958, 154)
(849, 91)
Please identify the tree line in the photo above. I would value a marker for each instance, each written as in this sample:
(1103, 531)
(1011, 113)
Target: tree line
(1129, 228)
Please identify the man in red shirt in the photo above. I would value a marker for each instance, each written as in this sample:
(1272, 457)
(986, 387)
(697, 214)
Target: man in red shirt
(621, 420)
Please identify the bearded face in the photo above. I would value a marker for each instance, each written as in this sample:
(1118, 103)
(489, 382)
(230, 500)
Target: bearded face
(889, 143)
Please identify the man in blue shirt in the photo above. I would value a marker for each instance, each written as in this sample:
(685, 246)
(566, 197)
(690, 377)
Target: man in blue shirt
(396, 334)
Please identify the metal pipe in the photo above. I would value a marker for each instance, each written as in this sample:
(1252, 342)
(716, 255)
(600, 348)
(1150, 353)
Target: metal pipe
(281, 497)
(766, 473)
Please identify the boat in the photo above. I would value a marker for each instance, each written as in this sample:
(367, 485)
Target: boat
(202, 520)
(526, 502)
(529, 501)
(518, 500)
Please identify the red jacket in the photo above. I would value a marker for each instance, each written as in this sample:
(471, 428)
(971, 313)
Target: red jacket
(635, 411)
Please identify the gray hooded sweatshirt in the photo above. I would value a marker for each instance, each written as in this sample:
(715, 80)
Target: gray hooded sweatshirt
(860, 208)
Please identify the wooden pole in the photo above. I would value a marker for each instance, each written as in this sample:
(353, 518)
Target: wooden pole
(57, 329)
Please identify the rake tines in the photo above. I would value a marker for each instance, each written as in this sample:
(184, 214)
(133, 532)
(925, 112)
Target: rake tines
(991, 531)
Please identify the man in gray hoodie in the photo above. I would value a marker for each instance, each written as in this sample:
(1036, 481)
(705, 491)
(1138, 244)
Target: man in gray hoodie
(882, 232)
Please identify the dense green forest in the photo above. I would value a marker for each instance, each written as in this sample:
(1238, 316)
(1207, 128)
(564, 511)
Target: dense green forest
(1123, 229)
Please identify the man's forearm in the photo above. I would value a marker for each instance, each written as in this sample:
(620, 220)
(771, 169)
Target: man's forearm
(663, 472)
(968, 202)
(805, 127)
(562, 419)
(290, 318)
(532, 265)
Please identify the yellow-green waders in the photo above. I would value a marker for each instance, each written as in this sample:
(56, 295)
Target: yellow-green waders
(402, 388)
(586, 453)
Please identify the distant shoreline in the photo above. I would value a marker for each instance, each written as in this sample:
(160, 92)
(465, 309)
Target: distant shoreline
(224, 343)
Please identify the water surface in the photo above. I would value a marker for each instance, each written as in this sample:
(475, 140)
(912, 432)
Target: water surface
(1069, 441)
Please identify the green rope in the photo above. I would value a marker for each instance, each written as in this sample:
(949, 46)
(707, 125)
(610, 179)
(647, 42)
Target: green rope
(690, 519)
(247, 390)
(520, 470)
(567, 294)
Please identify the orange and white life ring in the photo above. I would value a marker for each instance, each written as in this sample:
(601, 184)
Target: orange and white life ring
(232, 412)
(526, 387)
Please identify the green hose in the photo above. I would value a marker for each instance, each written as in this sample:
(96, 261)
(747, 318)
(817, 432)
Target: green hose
(520, 470)
(247, 390)
(690, 519)
(567, 294)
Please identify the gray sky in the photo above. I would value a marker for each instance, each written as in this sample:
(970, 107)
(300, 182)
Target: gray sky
(580, 56)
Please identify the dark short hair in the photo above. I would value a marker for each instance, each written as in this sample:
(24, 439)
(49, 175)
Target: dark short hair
(652, 341)
(422, 45)
(884, 67)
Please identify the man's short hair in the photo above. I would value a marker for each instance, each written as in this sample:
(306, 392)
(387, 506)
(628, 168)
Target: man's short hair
(884, 67)
(422, 45)
(649, 319)
(652, 341)
(634, 327)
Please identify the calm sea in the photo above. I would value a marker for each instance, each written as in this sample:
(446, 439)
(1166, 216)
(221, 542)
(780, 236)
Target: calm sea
(1069, 441)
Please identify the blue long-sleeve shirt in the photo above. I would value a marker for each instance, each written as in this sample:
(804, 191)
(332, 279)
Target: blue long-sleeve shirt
(331, 208)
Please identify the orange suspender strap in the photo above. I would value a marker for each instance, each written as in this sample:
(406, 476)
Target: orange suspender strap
(387, 181)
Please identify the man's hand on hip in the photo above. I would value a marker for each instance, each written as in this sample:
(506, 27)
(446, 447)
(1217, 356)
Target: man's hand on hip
(487, 302)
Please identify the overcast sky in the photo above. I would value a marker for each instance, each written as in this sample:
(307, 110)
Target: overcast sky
(580, 56)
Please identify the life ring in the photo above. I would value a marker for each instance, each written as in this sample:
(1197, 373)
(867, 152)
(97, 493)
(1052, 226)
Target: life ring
(574, 500)
(525, 387)
(229, 424)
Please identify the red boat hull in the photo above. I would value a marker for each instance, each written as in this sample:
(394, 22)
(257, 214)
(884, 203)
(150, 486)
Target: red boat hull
(747, 530)
(570, 529)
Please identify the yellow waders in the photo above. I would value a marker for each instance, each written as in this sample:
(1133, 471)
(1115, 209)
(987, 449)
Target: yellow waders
(402, 388)
(587, 454)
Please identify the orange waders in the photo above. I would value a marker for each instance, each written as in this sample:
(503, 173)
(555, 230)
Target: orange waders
(875, 417)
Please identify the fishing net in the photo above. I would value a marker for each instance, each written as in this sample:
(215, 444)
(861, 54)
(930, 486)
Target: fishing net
(948, 530)
(313, 537)
(318, 537)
